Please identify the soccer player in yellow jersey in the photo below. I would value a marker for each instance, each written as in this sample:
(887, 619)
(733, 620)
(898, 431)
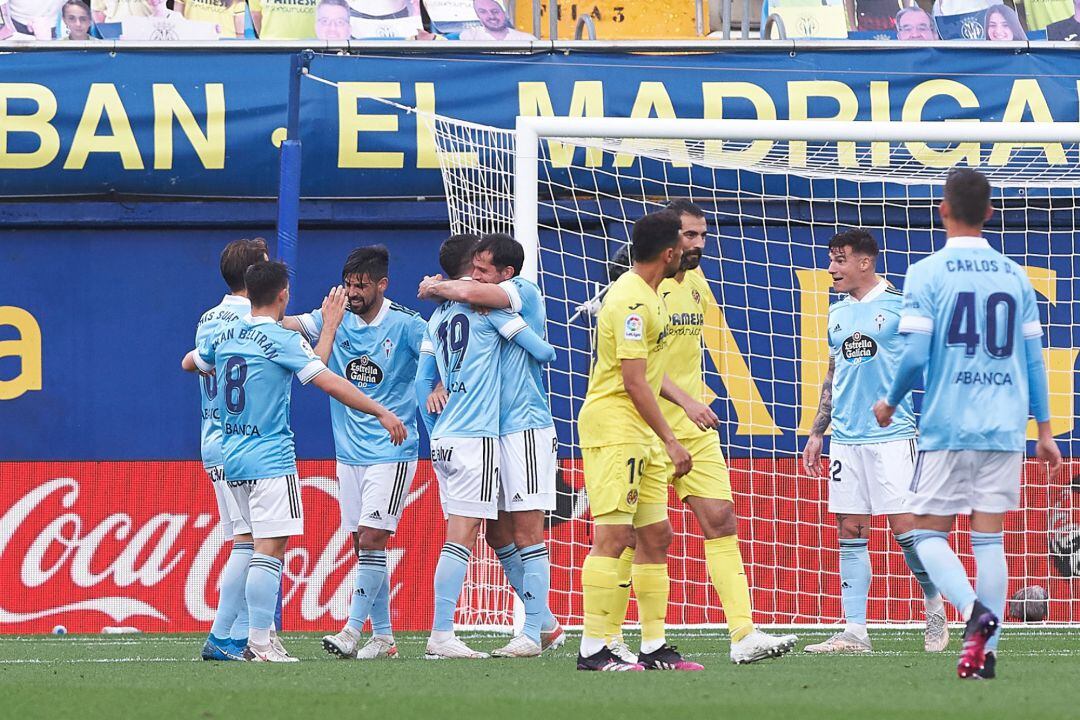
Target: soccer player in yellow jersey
(624, 437)
(706, 489)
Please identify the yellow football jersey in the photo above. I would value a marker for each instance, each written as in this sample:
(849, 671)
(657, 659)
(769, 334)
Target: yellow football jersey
(686, 304)
(631, 325)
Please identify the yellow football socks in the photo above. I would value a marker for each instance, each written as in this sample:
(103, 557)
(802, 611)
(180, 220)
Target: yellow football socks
(620, 596)
(599, 579)
(651, 587)
(724, 561)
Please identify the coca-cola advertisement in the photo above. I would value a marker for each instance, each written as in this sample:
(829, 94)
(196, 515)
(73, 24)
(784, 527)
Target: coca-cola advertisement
(137, 544)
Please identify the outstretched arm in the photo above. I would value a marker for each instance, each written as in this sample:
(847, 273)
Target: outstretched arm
(465, 291)
(522, 335)
(812, 451)
(914, 358)
(427, 373)
(1046, 448)
(347, 394)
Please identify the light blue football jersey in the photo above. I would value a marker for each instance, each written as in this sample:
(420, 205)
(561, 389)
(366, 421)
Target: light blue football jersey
(978, 306)
(231, 307)
(466, 348)
(866, 348)
(255, 359)
(380, 359)
(523, 403)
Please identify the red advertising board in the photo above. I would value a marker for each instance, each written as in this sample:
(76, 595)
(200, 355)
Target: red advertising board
(89, 545)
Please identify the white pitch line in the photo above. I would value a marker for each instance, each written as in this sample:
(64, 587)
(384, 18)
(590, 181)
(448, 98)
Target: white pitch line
(72, 661)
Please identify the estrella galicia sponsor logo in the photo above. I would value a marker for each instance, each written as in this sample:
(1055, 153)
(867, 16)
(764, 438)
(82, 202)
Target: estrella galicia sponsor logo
(364, 371)
(859, 348)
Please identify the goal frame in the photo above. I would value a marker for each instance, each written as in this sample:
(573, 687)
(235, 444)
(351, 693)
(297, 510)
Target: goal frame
(532, 130)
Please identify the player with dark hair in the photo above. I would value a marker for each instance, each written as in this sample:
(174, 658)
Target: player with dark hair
(254, 358)
(971, 320)
(375, 346)
(870, 468)
(463, 348)
(228, 634)
(527, 441)
(624, 435)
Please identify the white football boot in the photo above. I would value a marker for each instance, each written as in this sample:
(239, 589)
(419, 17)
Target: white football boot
(761, 646)
(519, 646)
(342, 644)
(379, 646)
(622, 651)
(451, 648)
(841, 642)
(267, 653)
(552, 639)
(279, 648)
(936, 637)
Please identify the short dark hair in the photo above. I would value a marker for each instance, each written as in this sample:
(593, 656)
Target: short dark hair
(76, 3)
(619, 263)
(682, 206)
(237, 257)
(370, 260)
(456, 253)
(505, 251)
(860, 240)
(265, 280)
(968, 193)
(653, 234)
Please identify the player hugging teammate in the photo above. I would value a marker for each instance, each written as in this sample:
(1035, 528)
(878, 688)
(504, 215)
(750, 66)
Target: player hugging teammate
(474, 373)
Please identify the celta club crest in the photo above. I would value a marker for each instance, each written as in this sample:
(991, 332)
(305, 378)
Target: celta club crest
(388, 347)
(972, 29)
(808, 25)
(880, 320)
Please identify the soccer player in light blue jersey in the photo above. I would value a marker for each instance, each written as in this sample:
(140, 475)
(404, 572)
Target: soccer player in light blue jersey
(376, 346)
(971, 320)
(464, 345)
(528, 447)
(228, 634)
(870, 467)
(254, 359)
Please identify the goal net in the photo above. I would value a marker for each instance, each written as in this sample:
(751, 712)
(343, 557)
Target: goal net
(774, 193)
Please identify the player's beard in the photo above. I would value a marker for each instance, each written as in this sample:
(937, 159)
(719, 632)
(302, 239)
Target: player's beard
(690, 260)
(359, 309)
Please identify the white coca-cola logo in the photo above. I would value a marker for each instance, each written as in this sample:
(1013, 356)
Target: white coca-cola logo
(150, 554)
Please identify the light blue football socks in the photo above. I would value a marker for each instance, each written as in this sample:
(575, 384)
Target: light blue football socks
(536, 584)
(231, 598)
(944, 568)
(854, 582)
(906, 541)
(991, 576)
(449, 578)
(263, 582)
(370, 578)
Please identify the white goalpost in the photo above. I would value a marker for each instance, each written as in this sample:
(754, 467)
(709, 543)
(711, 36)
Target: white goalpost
(774, 192)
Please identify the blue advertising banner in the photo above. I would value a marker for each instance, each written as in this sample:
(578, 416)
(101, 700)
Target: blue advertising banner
(206, 124)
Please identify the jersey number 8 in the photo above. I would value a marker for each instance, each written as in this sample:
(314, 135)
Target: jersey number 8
(235, 375)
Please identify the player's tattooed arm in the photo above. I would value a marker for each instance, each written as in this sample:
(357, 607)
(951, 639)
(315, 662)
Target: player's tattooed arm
(480, 294)
(333, 310)
(812, 451)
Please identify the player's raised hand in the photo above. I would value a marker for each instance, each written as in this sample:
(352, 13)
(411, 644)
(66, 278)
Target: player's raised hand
(394, 426)
(436, 401)
(333, 306)
(883, 412)
(811, 456)
(429, 281)
(679, 456)
(701, 415)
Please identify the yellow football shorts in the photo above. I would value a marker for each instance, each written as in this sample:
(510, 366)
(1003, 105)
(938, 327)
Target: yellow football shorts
(620, 477)
(709, 477)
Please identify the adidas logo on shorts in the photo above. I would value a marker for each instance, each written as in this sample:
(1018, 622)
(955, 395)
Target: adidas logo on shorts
(375, 515)
(517, 498)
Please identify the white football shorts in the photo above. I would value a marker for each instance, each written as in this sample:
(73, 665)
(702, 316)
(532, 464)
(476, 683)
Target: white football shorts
(955, 482)
(468, 474)
(231, 522)
(270, 507)
(373, 496)
(871, 478)
(529, 461)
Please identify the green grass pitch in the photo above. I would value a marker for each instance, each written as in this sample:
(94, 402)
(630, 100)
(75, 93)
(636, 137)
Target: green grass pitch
(122, 676)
